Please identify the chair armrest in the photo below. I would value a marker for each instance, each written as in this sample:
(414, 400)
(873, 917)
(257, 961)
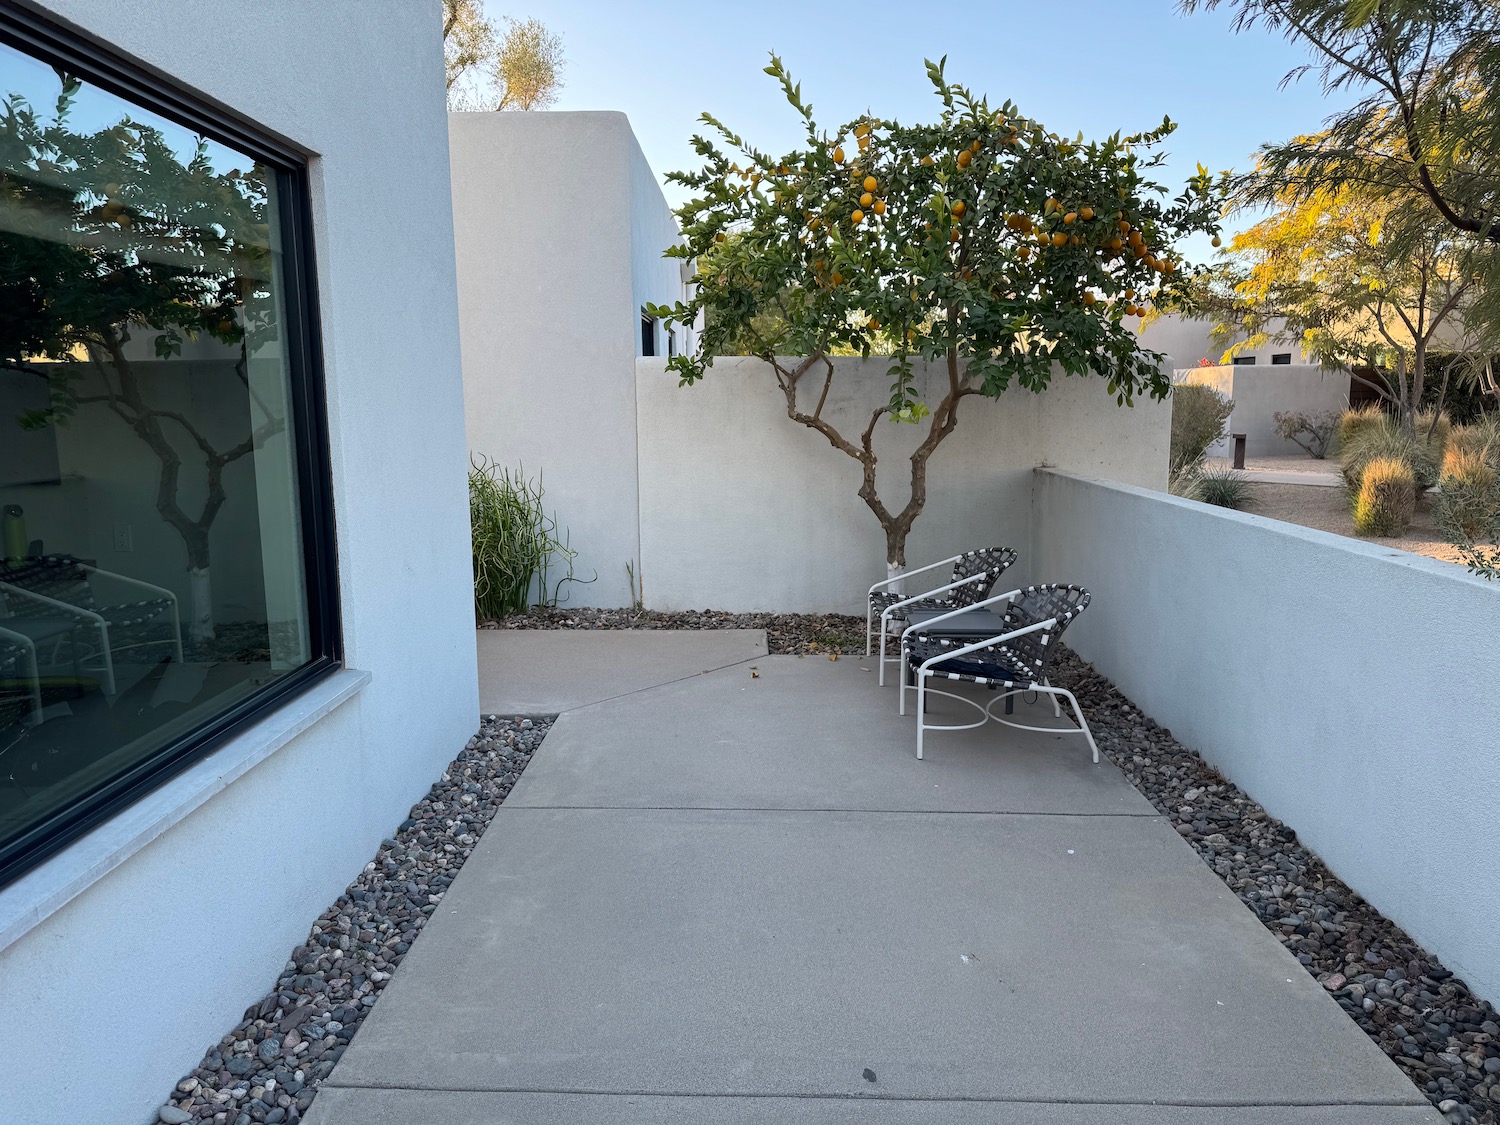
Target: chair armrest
(70, 610)
(17, 639)
(933, 593)
(987, 642)
(1005, 597)
(908, 573)
(125, 579)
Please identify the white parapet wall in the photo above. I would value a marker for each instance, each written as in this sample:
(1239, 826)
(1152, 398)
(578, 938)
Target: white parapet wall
(743, 509)
(130, 953)
(1259, 391)
(1343, 685)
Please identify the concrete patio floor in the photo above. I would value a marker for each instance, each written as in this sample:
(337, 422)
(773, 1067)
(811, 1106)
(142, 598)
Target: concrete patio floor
(722, 897)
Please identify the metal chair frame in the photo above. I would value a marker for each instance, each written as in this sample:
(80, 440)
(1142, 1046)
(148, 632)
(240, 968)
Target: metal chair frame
(929, 669)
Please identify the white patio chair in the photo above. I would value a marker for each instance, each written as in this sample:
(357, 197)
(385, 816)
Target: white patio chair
(1014, 661)
(974, 576)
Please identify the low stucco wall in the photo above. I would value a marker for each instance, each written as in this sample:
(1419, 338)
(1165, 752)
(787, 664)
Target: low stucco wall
(1337, 682)
(744, 509)
(1259, 391)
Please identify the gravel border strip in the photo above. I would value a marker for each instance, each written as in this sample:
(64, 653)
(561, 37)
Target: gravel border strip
(1425, 1019)
(268, 1069)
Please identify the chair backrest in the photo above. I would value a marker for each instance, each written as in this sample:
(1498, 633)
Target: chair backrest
(988, 560)
(1034, 605)
(59, 577)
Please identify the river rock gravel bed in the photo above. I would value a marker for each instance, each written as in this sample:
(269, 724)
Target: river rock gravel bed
(1444, 1038)
(801, 634)
(268, 1068)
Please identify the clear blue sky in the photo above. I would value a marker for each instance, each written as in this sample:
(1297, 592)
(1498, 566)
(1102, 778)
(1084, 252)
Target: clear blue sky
(1094, 65)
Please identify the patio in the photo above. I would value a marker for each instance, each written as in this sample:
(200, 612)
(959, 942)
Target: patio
(726, 891)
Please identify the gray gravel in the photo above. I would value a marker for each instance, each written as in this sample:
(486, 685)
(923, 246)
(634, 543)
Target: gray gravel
(269, 1067)
(1421, 1015)
(802, 634)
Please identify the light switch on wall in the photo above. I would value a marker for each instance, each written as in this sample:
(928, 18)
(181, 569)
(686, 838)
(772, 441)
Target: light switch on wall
(122, 537)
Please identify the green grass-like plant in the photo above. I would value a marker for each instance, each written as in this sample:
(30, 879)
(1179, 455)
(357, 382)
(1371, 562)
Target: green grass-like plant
(1468, 499)
(1352, 423)
(515, 541)
(1387, 498)
(1385, 440)
(1223, 489)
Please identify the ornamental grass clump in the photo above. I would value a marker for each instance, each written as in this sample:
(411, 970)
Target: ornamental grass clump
(1223, 489)
(514, 540)
(1387, 498)
(1385, 440)
(1354, 422)
(1468, 500)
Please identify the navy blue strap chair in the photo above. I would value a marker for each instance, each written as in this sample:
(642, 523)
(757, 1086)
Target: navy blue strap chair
(974, 576)
(1011, 662)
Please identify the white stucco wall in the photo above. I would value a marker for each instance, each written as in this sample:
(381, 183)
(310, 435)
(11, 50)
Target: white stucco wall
(560, 226)
(111, 999)
(743, 509)
(1186, 341)
(1338, 682)
(1260, 391)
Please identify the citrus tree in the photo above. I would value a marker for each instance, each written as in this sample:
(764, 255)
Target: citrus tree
(981, 242)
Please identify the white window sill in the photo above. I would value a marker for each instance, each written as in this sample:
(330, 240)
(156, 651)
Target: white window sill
(41, 892)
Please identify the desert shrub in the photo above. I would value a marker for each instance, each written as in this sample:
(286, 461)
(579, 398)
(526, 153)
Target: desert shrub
(1387, 498)
(1385, 441)
(1352, 423)
(515, 542)
(1312, 431)
(1223, 489)
(1199, 417)
(1481, 436)
(1468, 500)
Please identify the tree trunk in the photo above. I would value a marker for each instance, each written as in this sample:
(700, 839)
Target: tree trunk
(200, 590)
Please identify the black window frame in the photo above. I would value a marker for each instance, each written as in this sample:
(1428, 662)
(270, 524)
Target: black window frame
(1281, 359)
(1243, 361)
(97, 63)
(648, 334)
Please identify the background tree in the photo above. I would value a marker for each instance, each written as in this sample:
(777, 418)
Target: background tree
(1425, 130)
(1354, 280)
(111, 235)
(519, 67)
(981, 242)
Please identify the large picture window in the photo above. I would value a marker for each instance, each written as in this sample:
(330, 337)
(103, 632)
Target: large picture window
(165, 572)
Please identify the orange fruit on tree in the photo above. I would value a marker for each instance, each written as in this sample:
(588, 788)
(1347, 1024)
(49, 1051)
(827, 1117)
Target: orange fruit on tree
(927, 162)
(838, 155)
(959, 208)
(1216, 241)
(870, 183)
(866, 199)
(1124, 226)
(838, 278)
(1059, 239)
(1070, 218)
(879, 207)
(1088, 297)
(858, 217)
(965, 158)
(1086, 213)
(974, 147)
(953, 236)
(1023, 253)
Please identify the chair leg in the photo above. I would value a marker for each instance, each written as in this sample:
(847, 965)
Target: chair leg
(869, 626)
(883, 622)
(921, 707)
(905, 679)
(1056, 707)
(1082, 722)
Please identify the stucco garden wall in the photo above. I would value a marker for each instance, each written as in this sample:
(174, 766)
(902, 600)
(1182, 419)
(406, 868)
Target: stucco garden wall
(1337, 682)
(111, 998)
(559, 227)
(743, 509)
(1260, 390)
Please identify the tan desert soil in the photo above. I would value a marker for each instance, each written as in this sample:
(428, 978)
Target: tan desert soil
(1327, 509)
